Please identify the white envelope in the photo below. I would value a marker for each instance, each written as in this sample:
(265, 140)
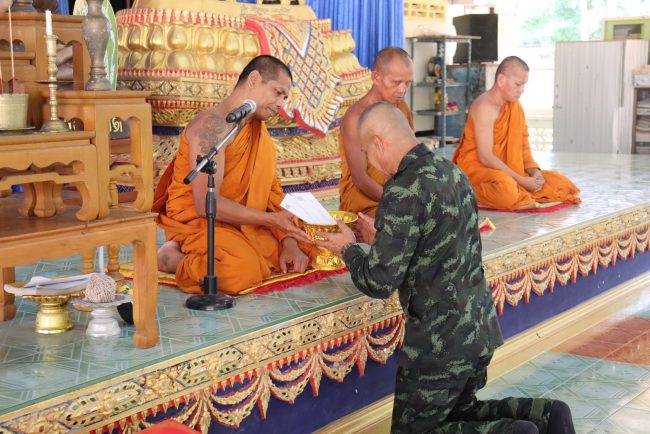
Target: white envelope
(306, 207)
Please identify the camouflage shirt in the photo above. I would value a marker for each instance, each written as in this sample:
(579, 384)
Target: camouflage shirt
(428, 248)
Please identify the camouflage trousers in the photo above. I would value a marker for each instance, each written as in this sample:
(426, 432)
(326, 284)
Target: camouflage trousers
(425, 403)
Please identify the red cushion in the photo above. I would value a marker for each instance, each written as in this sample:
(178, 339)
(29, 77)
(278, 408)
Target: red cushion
(169, 426)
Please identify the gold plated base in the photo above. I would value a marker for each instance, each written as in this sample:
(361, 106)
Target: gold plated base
(53, 316)
(326, 260)
(55, 126)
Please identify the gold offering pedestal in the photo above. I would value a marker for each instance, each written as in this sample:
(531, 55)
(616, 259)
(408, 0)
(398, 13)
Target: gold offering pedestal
(53, 315)
(326, 260)
(52, 296)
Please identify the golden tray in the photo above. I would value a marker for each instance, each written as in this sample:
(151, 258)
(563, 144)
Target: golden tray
(326, 260)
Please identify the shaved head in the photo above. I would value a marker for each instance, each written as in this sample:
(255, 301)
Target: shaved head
(383, 119)
(389, 55)
(509, 64)
(269, 68)
(385, 135)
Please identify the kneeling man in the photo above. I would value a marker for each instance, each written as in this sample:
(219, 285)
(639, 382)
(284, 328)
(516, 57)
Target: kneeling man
(425, 245)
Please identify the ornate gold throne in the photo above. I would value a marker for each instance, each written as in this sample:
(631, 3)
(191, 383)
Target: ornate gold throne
(189, 55)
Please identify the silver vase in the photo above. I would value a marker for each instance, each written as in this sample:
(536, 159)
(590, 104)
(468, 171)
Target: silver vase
(96, 31)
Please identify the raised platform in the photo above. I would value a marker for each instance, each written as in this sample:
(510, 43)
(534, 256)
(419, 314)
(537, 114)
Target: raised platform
(214, 368)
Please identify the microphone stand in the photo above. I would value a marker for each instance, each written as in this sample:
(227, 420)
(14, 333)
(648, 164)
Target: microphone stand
(210, 299)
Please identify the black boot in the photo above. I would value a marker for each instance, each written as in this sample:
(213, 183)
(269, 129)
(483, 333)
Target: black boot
(559, 420)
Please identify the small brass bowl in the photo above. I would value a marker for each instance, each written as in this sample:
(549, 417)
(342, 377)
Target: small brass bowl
(326, 260)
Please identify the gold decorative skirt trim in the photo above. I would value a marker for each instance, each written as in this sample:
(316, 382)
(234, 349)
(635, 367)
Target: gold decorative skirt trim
(225, 382)
(522, 269)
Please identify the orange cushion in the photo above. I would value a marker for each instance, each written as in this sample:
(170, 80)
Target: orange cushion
(169, 426)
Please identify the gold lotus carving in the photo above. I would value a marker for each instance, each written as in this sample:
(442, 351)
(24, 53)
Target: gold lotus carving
(184, 40)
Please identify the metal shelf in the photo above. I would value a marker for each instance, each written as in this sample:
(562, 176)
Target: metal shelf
(427, 84)
(446, 38)
(429, 112)
(441, 41)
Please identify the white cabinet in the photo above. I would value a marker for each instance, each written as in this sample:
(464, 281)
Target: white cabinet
(594, 97)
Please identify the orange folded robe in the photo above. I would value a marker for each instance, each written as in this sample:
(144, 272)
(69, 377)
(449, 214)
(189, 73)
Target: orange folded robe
(244, 255)
(351, 198)
(496, 189)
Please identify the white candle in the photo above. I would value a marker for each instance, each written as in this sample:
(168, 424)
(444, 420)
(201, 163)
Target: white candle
(100, 260)
(48, 22)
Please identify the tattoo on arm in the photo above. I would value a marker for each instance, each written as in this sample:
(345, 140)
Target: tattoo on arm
(213, 130)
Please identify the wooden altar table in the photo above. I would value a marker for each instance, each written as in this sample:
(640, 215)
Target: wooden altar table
(25, 240)
(43, 162)
(95, 110)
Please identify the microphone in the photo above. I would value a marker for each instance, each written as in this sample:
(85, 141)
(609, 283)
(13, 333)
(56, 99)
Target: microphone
(242, 111)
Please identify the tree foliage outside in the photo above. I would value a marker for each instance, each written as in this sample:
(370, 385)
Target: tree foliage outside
(573, 20)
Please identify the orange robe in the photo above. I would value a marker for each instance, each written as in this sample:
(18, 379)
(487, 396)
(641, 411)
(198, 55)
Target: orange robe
(351, 198)
(496, 189)
(244, 255)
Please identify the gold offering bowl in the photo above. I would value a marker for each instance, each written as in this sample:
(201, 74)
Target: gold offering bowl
(326, 260)
(53, 315)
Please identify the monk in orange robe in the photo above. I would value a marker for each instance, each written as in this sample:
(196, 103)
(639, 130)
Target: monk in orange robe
(254, 238)
(495, 154)
(361, 183)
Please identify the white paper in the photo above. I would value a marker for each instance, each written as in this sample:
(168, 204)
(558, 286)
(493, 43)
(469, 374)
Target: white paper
(58, 283)
(307, 208)
(39, 285)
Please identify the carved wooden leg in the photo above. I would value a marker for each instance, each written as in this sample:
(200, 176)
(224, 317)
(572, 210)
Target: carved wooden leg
(145, 288)
(113, 267)
(141, 202)
(88, 189)
(87, 259)
(44, 205)
(29, 201)
(142, 157)
(113, 194)
(102, 146)
(57, 189)
(7, 306)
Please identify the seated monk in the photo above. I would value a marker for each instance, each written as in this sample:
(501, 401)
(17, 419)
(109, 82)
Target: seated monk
(495, 154)
(254, 238)
(361, 183)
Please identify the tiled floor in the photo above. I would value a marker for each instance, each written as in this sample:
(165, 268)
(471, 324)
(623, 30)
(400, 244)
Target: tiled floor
(603, 374)
(606, 387)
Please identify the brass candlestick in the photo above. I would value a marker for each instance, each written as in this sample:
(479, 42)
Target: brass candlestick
(54, 124)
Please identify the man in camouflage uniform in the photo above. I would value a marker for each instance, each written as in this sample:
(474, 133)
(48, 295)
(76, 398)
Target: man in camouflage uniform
(426, 245)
